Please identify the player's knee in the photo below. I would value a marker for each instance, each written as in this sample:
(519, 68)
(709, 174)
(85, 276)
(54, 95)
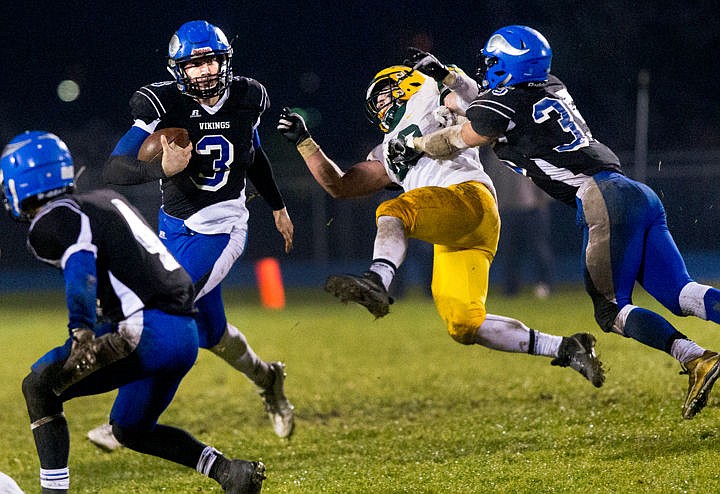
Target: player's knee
(39, 398)
(605, 315)
(463, 324)
(398, 208)
(462, 333)
(128, 437)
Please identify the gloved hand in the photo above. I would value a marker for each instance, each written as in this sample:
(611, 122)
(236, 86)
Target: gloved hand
(425, 63)
(292, 126)
(444, 117)
(89, 354)
(399, 152)
(396, 150)
(82, 354)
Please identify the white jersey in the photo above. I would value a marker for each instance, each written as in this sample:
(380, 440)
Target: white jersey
(418, 119)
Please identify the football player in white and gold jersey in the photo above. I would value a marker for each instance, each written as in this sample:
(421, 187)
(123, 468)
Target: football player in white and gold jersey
(448, 203)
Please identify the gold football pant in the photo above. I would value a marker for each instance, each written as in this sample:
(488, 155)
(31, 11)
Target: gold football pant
(462, 222)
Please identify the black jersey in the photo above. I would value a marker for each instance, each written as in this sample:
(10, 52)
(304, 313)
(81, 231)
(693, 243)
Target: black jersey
(542, 133)
(222, 141)
(134, 269)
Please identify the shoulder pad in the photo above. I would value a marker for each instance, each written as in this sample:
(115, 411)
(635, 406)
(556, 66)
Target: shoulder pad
(54, 230)
(154, 100)
(253, 92)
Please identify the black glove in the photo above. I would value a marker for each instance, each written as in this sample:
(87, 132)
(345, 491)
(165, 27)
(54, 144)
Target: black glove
(399, 155)
(292, 126)
(88, 354)
(425, 63)
(397, 150)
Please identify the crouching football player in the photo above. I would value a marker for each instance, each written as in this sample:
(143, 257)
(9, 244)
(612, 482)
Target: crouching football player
(108, 254)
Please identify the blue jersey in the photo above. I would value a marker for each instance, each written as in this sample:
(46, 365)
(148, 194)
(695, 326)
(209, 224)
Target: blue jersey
(543, 134)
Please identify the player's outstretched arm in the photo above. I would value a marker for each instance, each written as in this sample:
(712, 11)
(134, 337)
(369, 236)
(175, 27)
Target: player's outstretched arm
(450, 140)
(464, 86)
(361, 179)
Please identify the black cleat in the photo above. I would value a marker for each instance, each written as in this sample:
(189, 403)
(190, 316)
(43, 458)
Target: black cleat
(578, 352)
(243, 477)
(366, 290)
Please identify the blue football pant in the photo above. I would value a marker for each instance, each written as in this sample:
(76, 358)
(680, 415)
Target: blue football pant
(626, 240)
(207, 259)
(147, 379)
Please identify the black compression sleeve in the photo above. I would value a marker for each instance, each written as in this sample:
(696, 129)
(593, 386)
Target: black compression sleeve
(261, 175)
(124, 170)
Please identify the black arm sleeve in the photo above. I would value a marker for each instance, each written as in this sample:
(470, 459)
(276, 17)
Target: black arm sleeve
(261, 175)
(124, 170)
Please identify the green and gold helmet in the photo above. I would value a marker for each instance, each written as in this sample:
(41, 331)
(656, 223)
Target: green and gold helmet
(388, 92)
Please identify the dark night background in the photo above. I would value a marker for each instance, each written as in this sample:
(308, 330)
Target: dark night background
(320, 56)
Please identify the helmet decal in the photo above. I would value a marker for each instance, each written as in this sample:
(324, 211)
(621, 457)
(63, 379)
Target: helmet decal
(498, 43)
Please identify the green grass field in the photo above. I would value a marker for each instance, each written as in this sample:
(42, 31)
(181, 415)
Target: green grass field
(395, 405)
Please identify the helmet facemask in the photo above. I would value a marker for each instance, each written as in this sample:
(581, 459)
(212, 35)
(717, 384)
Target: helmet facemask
(388, 93)
(207, 86)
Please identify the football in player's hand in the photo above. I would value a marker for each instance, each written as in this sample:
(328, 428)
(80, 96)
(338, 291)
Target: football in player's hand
(151, 150)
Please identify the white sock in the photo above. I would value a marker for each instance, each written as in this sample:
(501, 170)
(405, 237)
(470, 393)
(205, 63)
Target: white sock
(390, 246)
(235, 350)
(547, 344)
(385, 271)
(206, 460)
(692, 300)
(685, 350)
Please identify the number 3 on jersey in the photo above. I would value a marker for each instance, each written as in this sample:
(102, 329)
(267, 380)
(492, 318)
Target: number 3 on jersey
(569, 119)
(222, 152)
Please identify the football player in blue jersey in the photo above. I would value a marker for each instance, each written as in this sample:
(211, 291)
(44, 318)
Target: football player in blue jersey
(529, 116)
(203, 219)
(148, 339)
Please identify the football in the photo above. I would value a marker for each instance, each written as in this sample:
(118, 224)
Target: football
(151, 150)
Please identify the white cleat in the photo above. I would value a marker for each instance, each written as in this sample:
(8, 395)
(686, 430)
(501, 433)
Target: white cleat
(103, 438)
(277, 406)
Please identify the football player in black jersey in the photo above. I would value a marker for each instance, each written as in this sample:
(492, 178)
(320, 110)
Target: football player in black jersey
(148, 339)
(535, 127)
(203, 219)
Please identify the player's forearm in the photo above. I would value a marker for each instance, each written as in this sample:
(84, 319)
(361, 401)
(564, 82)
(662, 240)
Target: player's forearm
(442, 143)
(124, 170)
(465, 90)
(449, 140)
(326, 173)
(261, 175)
(81, 289)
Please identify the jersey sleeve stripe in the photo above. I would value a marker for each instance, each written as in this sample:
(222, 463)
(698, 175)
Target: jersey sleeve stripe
(493, 106)
(153, 99)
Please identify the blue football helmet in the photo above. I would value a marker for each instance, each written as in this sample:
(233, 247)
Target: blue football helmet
(513, 55)
(194, 40)
(34, 167)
